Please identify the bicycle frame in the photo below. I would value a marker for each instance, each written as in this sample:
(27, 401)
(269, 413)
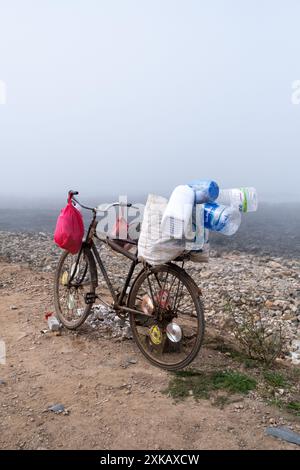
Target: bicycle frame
(88, 243)
(118, 299)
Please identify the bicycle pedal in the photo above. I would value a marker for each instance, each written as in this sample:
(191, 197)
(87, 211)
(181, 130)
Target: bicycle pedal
(90, 298)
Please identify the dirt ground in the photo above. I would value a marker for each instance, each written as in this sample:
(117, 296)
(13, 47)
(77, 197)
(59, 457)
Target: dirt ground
(112, 403)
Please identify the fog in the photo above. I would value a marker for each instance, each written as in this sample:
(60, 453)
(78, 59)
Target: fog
(130, 97)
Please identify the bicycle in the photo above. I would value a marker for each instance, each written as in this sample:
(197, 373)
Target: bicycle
(164, 303)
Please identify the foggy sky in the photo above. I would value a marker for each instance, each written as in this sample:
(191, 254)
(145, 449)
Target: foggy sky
(134, 96)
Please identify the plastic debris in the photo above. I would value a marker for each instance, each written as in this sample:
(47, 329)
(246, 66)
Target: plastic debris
(223, 219)
(285, 434)
(104, 319)
(205, 190)
(53, 322)
(245, 199)
(58, 408)
(178, 212)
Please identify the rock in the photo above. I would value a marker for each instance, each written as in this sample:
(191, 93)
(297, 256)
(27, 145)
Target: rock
(239, 406)
(274, 265)
(280, 303)
(295, 358)
(129, 361)
(289, 316)
(296, 345)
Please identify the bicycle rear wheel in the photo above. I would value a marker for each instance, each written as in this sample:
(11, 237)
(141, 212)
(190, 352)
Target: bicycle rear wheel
(70, 300)
(169, 330)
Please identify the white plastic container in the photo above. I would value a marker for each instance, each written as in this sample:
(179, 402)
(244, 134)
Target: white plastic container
(177, 215)
(53, 323)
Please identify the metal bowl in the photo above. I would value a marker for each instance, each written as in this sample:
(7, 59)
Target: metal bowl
(174, 332)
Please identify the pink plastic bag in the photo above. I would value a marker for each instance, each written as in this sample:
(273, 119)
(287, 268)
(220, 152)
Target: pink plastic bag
(69, 229)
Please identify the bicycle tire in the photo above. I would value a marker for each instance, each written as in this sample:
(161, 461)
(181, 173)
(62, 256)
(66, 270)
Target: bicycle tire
(194, 292)
(93, 276)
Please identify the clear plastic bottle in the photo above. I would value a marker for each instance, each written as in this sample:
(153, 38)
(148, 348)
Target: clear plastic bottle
(245, 199)
(53, 322)
(205, 190)
(223, 219)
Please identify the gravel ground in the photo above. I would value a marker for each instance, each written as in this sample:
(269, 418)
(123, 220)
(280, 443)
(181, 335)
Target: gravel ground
(245, 281)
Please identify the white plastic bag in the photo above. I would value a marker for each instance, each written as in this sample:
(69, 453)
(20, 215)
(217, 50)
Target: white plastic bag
(202, 255)
(153, 246)
(195, 234)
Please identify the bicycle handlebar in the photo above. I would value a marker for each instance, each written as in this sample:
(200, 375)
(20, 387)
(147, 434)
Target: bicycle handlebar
(72, 193)
(104, 208)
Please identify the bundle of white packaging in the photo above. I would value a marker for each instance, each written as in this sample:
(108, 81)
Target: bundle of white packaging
(159, 245)
(176, 227)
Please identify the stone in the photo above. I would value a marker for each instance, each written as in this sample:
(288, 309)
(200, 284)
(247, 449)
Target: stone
(132, 361)
(295, 356)
(274, 265)
(289, 316)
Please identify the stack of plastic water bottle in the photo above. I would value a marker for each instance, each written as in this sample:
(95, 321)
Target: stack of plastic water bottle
(223, 208)
(181, 225)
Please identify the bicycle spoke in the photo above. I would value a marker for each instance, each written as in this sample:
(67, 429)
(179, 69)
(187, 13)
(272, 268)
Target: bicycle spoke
(70, 297)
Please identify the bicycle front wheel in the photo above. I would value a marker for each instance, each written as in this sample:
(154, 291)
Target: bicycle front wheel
(169, 330)
(70, 297)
